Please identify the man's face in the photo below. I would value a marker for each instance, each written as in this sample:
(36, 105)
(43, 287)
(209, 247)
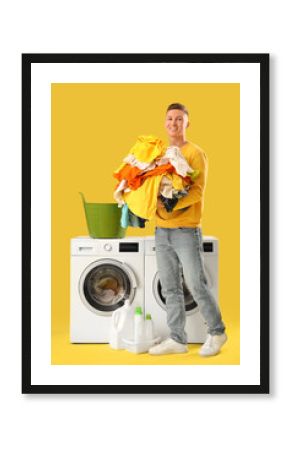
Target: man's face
(176, 122)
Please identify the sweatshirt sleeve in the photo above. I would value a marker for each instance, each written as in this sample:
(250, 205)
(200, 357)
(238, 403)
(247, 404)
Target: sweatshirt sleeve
(196, 192)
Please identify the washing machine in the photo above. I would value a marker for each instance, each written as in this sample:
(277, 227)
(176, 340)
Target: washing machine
(155, 302)
(104, 273)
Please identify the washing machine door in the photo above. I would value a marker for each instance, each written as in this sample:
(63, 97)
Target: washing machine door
(189, 302)
(106, 284)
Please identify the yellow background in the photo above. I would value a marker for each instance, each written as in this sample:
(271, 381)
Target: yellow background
(93, 128)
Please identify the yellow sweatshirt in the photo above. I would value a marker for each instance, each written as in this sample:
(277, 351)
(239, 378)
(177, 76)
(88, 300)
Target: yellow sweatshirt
(188, 211)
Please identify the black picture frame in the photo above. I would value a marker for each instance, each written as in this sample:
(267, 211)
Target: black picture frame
(247, 58)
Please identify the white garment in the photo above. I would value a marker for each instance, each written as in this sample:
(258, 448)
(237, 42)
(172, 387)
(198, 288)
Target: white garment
(118, 193)
(174, 156)
(145, 166)
(106, 296)
(166, 187)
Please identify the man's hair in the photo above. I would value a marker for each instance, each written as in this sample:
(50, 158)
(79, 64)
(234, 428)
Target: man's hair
(177, 106)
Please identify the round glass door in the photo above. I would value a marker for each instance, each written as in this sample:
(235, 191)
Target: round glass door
(106, 285)
(189, 302)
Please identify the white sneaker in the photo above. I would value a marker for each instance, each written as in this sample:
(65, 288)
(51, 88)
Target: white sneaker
(168, 346)
(213, 344)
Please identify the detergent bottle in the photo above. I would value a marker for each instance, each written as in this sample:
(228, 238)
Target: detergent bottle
(119, 322)
(149, 331)
(138, 325)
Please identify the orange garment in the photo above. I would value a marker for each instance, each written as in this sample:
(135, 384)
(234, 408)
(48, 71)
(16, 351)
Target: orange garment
(135, 176)
(130, 174)
(158, 171)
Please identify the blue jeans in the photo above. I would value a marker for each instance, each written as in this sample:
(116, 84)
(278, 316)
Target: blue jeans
(178, 248)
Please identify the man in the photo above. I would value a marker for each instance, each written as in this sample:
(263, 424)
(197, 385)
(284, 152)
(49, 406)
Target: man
(178, 245)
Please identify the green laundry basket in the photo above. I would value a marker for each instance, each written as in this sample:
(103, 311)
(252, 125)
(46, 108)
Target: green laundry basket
(103, 219)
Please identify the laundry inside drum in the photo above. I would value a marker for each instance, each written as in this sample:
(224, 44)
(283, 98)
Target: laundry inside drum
(106, 287)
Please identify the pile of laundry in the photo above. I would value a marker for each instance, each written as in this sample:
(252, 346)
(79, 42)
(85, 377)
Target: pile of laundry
(149, 171)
